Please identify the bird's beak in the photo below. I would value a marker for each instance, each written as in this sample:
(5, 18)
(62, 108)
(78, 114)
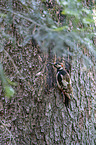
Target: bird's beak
(55, 65)
(51, 63)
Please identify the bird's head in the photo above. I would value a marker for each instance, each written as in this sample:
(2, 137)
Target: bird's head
(59, 66)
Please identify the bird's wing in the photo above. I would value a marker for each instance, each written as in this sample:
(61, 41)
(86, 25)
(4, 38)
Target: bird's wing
(67, 78)
(64, 81)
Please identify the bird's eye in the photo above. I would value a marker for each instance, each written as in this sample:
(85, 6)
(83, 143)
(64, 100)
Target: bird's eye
(62, 65)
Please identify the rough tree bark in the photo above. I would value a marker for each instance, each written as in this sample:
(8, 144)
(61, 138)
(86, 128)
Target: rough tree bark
(39, 117)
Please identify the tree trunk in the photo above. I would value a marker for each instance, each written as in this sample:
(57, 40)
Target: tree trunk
(37, 116)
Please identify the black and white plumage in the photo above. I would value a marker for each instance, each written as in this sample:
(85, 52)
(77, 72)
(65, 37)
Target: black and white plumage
(64, 82)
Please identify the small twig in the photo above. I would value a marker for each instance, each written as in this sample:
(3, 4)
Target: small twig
(13, 64)
(26, 18)
(5, 126)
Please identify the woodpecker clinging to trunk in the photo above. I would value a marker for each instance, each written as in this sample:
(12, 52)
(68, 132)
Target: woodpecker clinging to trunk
(64, 82)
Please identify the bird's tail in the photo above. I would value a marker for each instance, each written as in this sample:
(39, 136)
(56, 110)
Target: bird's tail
(67, 99)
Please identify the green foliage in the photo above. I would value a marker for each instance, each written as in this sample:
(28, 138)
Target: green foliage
(9, 91)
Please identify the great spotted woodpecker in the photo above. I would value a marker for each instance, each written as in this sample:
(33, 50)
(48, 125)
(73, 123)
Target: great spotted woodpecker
(63, 82)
